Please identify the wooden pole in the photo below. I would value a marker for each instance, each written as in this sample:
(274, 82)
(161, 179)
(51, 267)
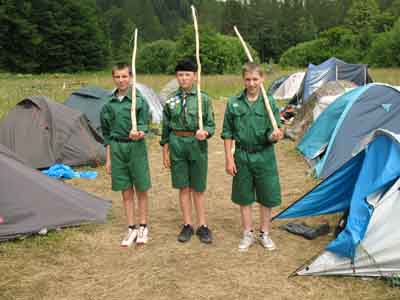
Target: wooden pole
(133, 106)
(199, 103)
(264, 93)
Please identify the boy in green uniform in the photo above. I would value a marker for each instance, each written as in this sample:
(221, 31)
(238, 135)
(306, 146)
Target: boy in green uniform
(253, 166)
(185, 149)
(126, 159)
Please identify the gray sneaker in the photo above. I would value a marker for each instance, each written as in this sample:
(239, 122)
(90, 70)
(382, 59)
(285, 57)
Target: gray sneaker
(186, 233)
(246, 241)
(204, 234)
(266, 241)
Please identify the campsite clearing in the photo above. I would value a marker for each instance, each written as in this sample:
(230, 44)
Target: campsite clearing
(87, 262)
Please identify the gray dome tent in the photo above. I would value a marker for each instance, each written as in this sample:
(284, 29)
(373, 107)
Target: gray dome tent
(31, 201)
(91, 99)
(43, 132)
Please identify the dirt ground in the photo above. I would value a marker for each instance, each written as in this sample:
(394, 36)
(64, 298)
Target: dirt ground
(88, 263)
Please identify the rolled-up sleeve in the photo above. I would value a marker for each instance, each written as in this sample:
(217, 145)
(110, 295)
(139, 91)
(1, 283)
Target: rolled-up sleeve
(166, 129)
(209, 122)
(227, 127)
(143, 115)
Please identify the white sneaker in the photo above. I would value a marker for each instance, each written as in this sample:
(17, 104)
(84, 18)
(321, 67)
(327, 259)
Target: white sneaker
(246, 241)
(266, 241)
(130, 237)
(143, 235)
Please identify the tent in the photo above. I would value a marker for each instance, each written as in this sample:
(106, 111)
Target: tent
(332, 69)
(368, 186)
(317, 103)
(276, 84)
(90, 101)
(328, 143)
(290, 87)
(31, 201)
(154, 102)
(43, 132)
(168, 89)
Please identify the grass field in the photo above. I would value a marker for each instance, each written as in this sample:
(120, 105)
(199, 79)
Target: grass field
(87, 262)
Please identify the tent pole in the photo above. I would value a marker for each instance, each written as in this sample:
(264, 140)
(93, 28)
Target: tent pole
(337, 71)
(365, 75)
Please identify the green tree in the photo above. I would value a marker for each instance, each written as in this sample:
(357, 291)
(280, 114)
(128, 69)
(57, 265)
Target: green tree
(362, 15)
(19, 37)
(219, 54)
(385, 50)
(157, 57)
(51, 36)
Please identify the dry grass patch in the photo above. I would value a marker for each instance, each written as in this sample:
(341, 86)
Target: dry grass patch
(87, 262)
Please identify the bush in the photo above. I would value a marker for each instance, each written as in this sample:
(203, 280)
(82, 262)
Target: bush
(157, 57)
(338, 41)
(385, 49)
(315, 51)
(219, 54)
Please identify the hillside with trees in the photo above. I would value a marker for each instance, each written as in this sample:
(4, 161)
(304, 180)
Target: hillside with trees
(68, 36)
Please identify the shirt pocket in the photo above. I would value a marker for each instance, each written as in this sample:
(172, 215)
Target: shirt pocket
(175, 109)
(261, 123)
(239, 121)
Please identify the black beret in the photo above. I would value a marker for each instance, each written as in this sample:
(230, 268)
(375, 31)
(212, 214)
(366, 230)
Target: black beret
(186, 65)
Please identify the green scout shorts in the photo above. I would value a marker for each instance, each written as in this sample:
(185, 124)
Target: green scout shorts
(129, 166)
(256, 178)
(189, 162)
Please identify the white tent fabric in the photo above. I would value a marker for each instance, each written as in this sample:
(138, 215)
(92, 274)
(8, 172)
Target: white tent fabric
(322, 104)
(153, 100)
(290, 87)
(378, 253)
(168, 89)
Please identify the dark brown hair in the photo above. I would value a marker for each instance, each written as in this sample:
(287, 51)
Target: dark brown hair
(121, 66)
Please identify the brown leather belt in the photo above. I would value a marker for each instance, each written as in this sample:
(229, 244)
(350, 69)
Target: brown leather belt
(184, 133)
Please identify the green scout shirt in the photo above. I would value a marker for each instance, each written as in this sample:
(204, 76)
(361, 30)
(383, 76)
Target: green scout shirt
(115, 116)
(248, 122)
(180, 116)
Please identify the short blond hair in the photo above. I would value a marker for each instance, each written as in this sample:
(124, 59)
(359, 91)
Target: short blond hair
(252, 67)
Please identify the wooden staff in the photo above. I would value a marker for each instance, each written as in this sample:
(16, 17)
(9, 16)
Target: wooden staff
(264, 93)
(196, 29)
(133, 106)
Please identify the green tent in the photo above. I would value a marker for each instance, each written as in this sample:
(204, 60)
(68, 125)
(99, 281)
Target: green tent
(89, 100)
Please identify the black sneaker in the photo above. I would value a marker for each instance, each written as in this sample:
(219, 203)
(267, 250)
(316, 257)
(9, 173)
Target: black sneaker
(204, 234)
(186, 233)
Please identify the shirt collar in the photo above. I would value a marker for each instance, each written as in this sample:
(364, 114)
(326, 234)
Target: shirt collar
(193, 91)
(243, 96)
(128, 95)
